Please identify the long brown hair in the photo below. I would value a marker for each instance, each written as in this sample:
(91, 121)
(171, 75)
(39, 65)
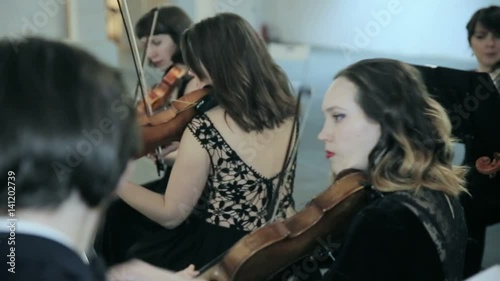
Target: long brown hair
(415, 148)
(247, 82)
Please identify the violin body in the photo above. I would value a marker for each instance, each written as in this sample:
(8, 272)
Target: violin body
(160, 94)
(168, 125)
(487, 166)
(267, 251)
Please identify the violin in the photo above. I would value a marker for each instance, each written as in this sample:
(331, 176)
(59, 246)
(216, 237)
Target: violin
(267, 251)
(160, 94)
(487, 166)
(168, 125)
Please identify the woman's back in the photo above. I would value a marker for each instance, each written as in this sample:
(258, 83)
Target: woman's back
(245, 170)
(229, 159)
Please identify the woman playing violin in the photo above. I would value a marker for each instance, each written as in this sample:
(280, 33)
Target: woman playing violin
(163, 52)
(380, 119)
(482, 209)
(230, 158)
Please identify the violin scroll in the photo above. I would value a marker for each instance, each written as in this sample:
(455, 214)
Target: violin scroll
(488, 166)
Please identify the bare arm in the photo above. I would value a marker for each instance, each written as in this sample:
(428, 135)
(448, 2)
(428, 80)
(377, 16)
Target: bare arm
(139, 270)
(185, 186)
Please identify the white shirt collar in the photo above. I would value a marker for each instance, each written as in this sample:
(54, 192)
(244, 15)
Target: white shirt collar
(37, 229)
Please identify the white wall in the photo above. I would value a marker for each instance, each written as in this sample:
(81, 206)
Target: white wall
(251, 10)
(25, 17)
(81, 23)
(405, 27)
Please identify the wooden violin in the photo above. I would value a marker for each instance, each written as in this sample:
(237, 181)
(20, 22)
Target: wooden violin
(165, 125)
(267, 251)
(487, 166)
(162, 92)
(168, 125)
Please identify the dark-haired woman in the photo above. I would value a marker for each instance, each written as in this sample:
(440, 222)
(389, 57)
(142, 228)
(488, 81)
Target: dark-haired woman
(123, 226)
(230, 159)
(483, 33)
(482, 208)
(380, 119)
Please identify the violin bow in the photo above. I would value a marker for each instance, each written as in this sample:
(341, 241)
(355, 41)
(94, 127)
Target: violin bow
(148, 42)
(286, 165)
(127, 22)
(272, 209)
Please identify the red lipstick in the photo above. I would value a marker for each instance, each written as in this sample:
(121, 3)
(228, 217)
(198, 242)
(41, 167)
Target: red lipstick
(329, 154)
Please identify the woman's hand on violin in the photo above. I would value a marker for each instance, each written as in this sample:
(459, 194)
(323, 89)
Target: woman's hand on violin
(137, 270)
(188, 272)
(173, 146)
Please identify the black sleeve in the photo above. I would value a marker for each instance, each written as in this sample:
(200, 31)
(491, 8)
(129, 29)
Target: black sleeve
(386, 241)
(183, 84)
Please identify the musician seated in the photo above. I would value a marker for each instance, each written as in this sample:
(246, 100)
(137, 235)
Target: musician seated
(380, 119)
(230, 163)
(69, 134)
(162, 50)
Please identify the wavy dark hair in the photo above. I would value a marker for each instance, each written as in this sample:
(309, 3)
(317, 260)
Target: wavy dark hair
(488, 17)
(69, 124)
(247, 82)
(171, 20)
(415, 148)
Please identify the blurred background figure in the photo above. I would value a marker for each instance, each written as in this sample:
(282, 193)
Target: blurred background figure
(482, 209)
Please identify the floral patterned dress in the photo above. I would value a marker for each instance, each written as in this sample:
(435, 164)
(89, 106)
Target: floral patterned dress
(232, 204)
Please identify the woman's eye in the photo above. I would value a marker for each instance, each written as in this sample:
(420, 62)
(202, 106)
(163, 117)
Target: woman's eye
(338, 117)
(480, 35)
(156, 42)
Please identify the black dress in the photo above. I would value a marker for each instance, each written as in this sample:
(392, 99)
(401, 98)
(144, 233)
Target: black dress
(472, 102)
(232, 205)
(402, 236)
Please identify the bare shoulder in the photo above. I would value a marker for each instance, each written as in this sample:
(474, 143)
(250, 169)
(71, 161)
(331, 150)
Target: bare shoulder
(216, 114)
(191, 86)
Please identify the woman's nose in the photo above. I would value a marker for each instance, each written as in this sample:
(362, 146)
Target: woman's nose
(491, 40)
(150, 52)
(322, 136)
